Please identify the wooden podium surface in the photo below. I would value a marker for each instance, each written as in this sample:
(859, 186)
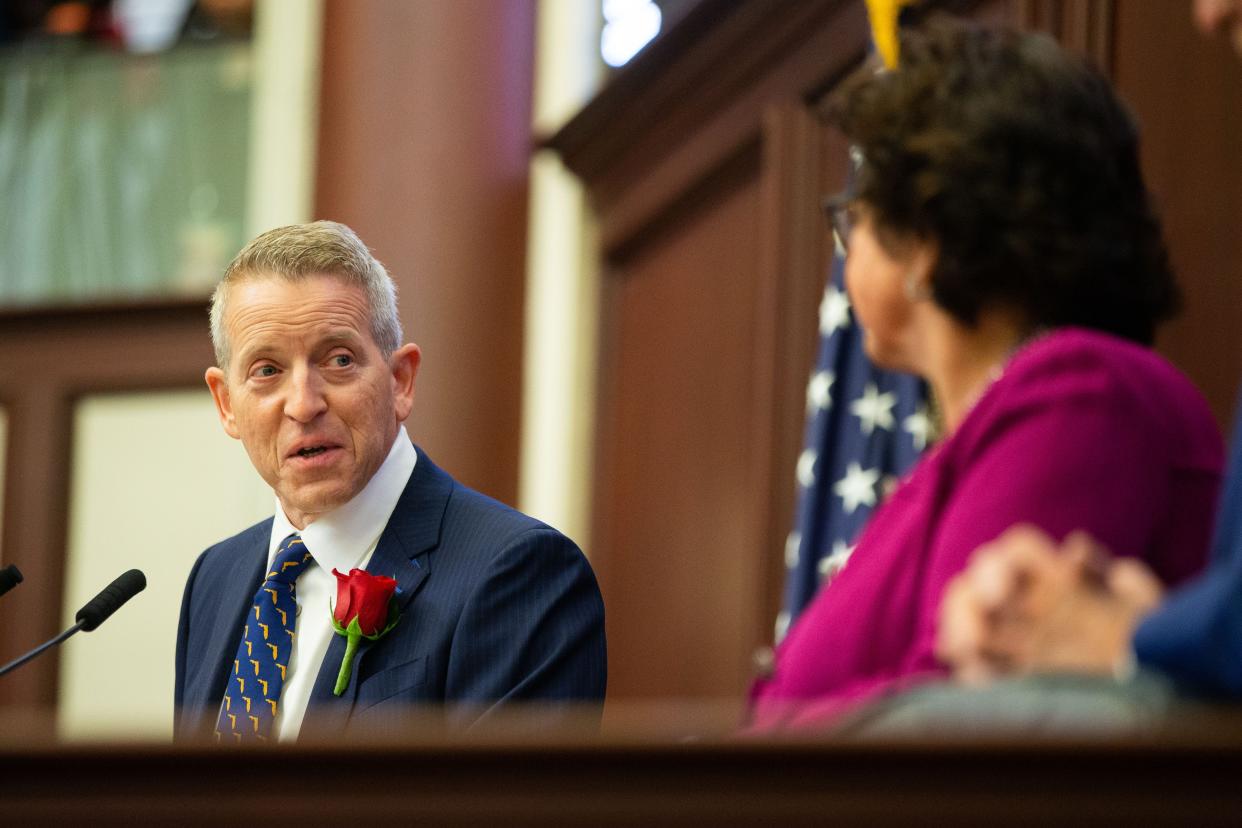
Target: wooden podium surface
(1189, 775)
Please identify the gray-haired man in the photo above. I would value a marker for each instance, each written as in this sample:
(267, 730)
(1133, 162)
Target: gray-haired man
(490, 606)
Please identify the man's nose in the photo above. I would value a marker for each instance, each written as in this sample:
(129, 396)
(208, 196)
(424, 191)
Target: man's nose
(304, 400)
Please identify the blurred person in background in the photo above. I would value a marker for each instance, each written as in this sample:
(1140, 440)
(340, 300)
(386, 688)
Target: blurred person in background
(379, 582)
(1029, 604)
(1002, 246)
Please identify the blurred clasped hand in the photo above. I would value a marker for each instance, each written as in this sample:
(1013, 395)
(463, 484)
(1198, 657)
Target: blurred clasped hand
(1028, 605)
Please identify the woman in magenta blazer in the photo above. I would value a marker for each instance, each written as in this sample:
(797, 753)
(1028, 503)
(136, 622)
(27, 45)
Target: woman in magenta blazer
(1002, 246)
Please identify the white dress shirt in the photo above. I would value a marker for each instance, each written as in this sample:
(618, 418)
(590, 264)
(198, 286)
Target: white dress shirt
(342, 539)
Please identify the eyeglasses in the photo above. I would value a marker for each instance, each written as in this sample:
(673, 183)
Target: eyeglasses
(842, 213)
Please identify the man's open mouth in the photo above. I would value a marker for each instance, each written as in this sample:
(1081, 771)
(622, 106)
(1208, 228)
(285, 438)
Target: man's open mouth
(311, 451)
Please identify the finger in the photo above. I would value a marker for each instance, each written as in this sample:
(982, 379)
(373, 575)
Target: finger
(1135, 584)
(960, 624)
(1087, 559)
(975, 643)
(1011, 566)
(966, 637)
(995, 580)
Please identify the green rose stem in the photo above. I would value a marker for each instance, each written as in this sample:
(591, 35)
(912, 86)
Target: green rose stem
(353, 634)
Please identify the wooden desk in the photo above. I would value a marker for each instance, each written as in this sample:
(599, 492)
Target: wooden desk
(1190, 776)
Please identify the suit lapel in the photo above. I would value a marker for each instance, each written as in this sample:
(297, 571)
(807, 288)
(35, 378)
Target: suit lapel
(412, 532)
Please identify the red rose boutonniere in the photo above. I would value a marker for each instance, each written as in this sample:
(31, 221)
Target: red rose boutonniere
(364, 609)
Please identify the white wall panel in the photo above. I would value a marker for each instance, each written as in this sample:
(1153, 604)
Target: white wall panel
(154, 482)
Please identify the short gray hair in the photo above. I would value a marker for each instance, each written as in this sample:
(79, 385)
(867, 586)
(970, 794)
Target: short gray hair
(300, 251)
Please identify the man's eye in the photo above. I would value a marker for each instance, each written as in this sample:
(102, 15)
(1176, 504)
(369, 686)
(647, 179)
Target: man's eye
(342, 360)
(265, 371)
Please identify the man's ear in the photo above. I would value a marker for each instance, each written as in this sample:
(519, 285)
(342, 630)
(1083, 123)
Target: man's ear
(404, 364)
(219, 386)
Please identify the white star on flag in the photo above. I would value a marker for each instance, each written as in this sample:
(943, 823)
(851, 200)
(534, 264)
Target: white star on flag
(806, 468)
(838, 558)
(857, 487)
(874, 409)
(793, 544)
(819, 391)
(834, 311)
(920, 427)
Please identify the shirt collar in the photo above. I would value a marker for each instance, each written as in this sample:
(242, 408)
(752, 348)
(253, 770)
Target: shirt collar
(341, 538)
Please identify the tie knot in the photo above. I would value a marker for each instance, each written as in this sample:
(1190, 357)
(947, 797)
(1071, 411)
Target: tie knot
(291, 559)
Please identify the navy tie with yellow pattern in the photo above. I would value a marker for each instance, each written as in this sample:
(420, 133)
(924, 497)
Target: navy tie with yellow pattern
(258, 672)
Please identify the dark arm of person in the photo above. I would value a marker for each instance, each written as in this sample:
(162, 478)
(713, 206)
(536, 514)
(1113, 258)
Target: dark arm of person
(1195, 636)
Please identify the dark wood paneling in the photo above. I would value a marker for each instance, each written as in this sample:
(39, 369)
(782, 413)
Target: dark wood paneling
(698, 97)
(1186, 91)
(803, 161)
(678, 576)
(410, 779)
(1085, 26)
(423, 149)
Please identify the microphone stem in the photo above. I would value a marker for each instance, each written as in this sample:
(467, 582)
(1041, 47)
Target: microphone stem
(18, 662)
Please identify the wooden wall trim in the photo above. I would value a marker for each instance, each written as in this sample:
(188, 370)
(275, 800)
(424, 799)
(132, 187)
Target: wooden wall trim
(795, 252)
(1084, 26)
(424, 149)
(53, 357)
(619, 784)
(688, 112)
(36, 506)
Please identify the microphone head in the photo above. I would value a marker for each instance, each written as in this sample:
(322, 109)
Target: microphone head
(110, 600)
(10, 577)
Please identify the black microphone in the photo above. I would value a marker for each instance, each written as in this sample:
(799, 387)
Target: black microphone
(95, 612)
(10, 577)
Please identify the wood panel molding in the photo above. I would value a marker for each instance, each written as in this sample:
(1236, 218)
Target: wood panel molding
(696, 98)
(1164, 781)
(1085, 26)
(53, 357)
(424, 149)
(804, 161)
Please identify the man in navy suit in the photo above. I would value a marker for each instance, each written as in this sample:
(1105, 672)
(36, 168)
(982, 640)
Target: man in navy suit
(312, 377)
(1028, 605)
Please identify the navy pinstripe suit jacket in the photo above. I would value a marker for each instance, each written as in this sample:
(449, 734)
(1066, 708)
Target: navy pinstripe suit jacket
(497, 607)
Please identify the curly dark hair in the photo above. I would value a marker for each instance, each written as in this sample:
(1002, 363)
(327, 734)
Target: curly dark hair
(1022, 165)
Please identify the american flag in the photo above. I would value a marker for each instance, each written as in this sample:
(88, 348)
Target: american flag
(864, 428)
